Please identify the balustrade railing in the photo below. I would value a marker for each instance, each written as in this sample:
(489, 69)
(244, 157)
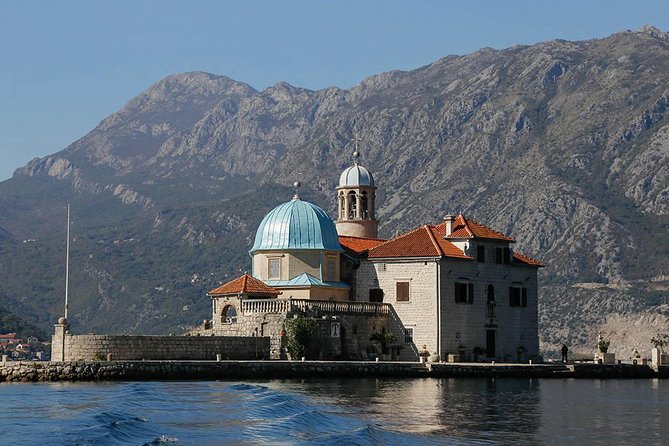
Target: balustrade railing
(325, 306)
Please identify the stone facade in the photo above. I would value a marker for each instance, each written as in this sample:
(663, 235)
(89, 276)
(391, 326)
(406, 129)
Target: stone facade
(418, 315)
(446, 326)
(355, 324)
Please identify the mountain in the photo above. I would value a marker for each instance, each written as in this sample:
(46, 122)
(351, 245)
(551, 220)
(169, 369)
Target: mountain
(564, 145)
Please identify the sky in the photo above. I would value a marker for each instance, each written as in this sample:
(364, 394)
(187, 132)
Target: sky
(66, 65)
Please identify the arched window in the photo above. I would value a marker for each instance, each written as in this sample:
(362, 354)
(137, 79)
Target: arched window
(364, 207)
(342, 206)
(229, 315)
(491, 294)
(352, 205)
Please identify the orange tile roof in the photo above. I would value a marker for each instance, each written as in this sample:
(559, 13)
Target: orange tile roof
(467, 228)
(245, 284)
(358, 245)
(527, 260)
(424, 241)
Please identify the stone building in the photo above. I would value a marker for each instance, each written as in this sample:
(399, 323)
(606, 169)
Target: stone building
(456, 287)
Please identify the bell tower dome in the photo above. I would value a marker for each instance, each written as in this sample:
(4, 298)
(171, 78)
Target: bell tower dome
(356, 197)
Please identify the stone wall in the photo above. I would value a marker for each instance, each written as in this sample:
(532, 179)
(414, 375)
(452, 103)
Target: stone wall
(352, 342)
(31, 371)
(89, 347)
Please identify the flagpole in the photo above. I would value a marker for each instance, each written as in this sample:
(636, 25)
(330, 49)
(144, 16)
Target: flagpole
(67, 260)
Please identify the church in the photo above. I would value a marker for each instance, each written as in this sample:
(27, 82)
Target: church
(453, 290)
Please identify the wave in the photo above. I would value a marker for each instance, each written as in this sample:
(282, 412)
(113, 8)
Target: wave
(289, 418)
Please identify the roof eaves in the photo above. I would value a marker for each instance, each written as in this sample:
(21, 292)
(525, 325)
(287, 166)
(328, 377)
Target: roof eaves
(403, 258)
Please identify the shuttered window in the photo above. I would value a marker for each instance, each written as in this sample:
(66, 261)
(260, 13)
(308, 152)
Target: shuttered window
(480, 253)
(507, 256)
(464, 293)
(402, 291)
(517, 296)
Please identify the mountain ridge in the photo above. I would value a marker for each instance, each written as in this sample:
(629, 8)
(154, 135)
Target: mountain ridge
(563, 145)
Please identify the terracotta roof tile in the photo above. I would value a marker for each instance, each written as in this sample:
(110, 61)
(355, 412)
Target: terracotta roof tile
(245, 284)
(527, 260)
(424, 241)
(447, 248)
(468, 228)
(355, 246)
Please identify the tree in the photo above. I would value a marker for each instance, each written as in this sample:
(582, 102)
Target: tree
(299, 334)
(384, 339)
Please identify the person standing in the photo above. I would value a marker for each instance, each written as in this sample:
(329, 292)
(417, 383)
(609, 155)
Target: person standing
(565, 352)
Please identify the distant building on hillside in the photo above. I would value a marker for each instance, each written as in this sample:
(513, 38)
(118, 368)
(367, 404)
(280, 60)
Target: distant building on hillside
(9, 338)
(456, 287)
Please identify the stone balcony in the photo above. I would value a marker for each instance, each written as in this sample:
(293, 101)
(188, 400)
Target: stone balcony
(250, 306)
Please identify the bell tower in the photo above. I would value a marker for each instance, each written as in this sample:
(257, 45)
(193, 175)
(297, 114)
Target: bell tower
(356, 197)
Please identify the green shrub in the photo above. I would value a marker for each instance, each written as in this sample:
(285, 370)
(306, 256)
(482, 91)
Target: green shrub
(299, 334)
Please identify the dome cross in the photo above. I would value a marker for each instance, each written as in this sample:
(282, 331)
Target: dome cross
(356, 154)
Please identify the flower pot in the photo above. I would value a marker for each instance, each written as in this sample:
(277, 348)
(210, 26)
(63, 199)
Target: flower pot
(605, 358)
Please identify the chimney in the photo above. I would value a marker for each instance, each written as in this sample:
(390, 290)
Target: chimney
(449, 220)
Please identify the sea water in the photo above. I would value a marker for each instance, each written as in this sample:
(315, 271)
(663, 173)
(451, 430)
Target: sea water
(405, 412)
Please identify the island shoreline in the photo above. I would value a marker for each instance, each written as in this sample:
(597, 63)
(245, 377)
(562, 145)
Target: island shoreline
(155, 370)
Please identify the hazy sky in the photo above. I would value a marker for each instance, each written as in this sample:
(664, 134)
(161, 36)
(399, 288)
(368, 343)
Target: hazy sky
(65, 65)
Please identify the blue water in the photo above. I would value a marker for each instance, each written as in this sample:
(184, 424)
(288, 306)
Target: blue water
(329, 412)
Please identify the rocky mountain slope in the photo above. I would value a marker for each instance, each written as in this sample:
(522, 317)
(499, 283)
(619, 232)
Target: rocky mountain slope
(564, 145)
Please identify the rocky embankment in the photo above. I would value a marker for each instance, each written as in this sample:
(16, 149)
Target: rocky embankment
(244, 370)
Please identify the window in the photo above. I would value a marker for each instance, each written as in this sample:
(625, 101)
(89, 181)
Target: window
(491, 294)
(229, 315)
(376, 295)
(331, 271)
(364, 206)
(352, 205)
(408, 335)
(402, 289)
(464, 293)
(517, 296)
(507, 256)
(499, 255)
(480, 253)
(274, 269)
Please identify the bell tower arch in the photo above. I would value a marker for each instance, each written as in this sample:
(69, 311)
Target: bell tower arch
(356, 198)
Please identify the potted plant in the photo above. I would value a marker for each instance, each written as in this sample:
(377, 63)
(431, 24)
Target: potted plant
(384, 339)
(603, 351)
(424, 354)
(462, 351)
(660, 342)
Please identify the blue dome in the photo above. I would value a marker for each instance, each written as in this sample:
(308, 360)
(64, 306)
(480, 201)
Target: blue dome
(356, 176)
(296, 225)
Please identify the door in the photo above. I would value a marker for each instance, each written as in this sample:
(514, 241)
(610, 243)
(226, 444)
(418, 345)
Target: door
(490, 343)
